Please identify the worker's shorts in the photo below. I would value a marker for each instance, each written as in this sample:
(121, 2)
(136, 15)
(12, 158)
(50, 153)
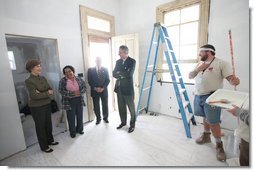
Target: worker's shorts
(210, 113)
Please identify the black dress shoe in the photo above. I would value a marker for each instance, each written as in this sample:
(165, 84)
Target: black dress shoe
(106, 120)
(49, 150)
(54, 143)
(73, 135)
(120, 126)
(131, 129)
(81, 132)
(98, 122)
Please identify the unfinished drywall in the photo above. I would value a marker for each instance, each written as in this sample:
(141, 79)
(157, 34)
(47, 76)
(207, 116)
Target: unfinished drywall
(58, 19)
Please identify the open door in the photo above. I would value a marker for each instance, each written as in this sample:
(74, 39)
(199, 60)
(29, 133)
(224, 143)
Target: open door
(131, 41)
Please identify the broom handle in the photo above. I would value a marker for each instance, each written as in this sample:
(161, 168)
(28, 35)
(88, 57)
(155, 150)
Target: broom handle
(231, 53)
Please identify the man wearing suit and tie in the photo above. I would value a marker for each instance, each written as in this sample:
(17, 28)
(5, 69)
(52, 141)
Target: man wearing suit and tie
(98, 79)
(123, 72)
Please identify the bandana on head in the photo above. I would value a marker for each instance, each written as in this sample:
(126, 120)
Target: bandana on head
(207, 48)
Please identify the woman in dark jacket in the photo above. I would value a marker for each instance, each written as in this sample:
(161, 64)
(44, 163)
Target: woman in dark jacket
(72, 89)
(40, 104)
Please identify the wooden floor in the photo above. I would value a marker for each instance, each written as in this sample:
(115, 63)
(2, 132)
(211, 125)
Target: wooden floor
(157, 141)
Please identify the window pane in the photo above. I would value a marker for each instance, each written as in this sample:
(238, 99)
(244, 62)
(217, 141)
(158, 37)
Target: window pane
(98, 24)
(185, 69)
(189, 33)
(190, 14)
(12, 60)
(172, 18)
(176, 50)
(173, 33)
(188, 52)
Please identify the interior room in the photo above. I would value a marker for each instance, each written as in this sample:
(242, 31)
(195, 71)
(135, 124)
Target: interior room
(165, 39)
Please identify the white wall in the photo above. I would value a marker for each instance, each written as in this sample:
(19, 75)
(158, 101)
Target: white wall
(234, 15)
(134, 21)
(57, 19)
(224, 15)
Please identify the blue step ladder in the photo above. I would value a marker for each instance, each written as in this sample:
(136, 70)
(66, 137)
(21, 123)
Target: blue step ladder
(180, 91)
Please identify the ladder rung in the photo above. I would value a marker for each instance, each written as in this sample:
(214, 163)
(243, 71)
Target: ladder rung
(141, 109)
(168, 50)
(147, 88)
(189, 116)
(149, 71)
(175, 64)
(155, 43)
(185, 104)
(182, 90)
(150, 66)
(167, 38)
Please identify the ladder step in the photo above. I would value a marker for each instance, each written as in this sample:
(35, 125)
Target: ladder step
(155, 43)
(168, 50)
(150, 66)
(182, 90)
(151, 71)
(185, 104)
(147, 88)
(141, 109)
(189, 116)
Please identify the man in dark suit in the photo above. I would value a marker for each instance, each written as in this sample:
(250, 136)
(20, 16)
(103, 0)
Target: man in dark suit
(123, 72)
(98, 79)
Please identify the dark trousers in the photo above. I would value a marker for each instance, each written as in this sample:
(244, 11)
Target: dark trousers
(76, 110)
(124, 101)
(43, 125)
(96, 105)
(244, 153)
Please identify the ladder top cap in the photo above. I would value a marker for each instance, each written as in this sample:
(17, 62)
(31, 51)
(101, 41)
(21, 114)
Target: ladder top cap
(158, 24)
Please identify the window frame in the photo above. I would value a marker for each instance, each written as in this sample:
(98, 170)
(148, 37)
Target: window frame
(85, 12)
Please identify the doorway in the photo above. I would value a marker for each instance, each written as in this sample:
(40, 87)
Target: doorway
(97, 29)
(101, 47)
(20, 49)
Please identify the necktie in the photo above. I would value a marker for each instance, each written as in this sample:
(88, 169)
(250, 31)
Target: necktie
(99, 74)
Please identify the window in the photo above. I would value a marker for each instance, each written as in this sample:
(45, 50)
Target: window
(187, 23)
(182, 25)
(12, 60)
(98, 24)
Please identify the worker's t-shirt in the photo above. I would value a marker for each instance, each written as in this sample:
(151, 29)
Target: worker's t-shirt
(212, 78)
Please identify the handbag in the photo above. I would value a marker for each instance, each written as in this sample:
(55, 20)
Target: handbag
(54, 106)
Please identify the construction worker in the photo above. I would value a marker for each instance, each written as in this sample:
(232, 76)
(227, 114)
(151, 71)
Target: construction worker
(209, 75)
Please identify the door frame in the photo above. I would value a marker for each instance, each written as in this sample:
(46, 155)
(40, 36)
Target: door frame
(85, 33)
(92, 38)
(55, 42)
